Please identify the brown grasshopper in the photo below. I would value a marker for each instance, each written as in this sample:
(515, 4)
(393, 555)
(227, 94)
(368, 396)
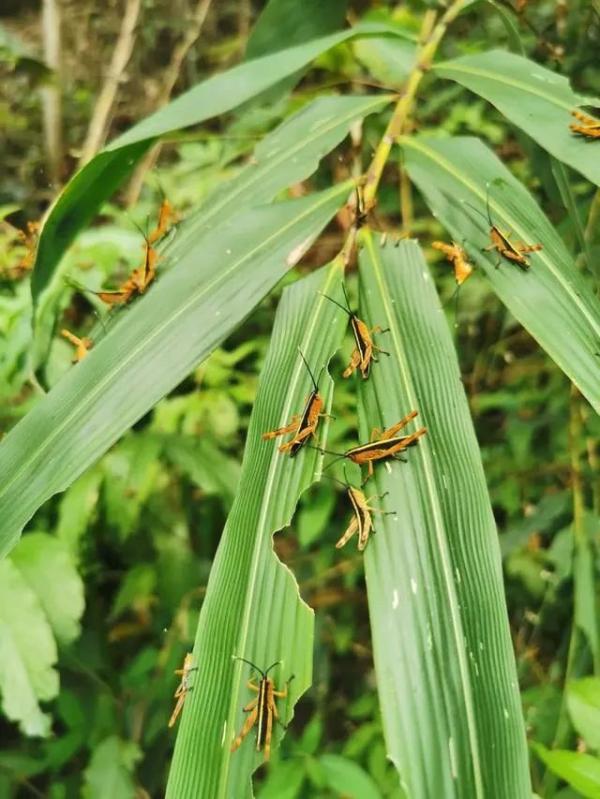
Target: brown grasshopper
(365, 349)
(184, 686)
(516, 252)
(304, 426)
(361, 522)
(383, 446)
(261, 710)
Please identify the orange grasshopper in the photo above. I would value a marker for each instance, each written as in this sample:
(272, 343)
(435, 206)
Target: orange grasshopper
(167, 216)
(136, 283)
(261, 710)
(383, 445)
(365, 349)
(183, 687)
(516, 252)
(302, 426)
(82, 345)
(457, 257)
(589, 127)
(361, 521)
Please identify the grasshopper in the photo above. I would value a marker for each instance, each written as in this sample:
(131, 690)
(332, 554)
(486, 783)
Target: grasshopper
(184, 686)
(361, 521)
(305, 425)
(516, 252)
(589, 127)
(136, 283)
(365, 349)
(82, 345)
(457, 257)
(383, 445)
(261, 710)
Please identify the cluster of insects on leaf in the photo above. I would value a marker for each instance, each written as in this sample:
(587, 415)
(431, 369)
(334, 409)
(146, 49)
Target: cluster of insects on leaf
(137, 282)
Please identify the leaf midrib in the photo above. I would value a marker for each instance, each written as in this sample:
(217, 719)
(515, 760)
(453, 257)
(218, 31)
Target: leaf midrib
(498, 78)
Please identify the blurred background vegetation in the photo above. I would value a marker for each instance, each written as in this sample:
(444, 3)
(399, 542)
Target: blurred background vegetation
(133, 539)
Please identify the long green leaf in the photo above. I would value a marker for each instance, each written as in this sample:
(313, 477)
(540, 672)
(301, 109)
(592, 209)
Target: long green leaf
(154, 344)
(97, 180)
(551, 299)
(287, 155)
(252, 608)
(536, 99)
(445, 669)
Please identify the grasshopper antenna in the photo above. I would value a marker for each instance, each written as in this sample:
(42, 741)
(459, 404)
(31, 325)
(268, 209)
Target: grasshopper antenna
(477, 211)
(272, 666)
(346, 296)
(335, 302)
(315, 383)
(254, 666)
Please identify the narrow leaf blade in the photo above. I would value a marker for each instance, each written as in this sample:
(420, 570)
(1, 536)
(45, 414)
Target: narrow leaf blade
(536, 99)
(551, 299)
(445, 668)
(154, 344)
(252, 608)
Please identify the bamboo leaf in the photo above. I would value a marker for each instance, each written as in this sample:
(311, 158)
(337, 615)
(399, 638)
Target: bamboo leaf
(152, 346)
(287, 155)
(252, 608)
(97, 180)
(536, 99)
(445, 668)
(552, 300)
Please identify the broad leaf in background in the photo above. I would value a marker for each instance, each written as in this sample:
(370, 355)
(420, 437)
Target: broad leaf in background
(583, 701)
(27, 653)
(92, 185)
(154, 344)
(76, 509)
(579, 770)
(285, 23)
(536, 99)
(347, 779)
(60, 596)
(110, 772)
(443, 655)
(551, 299)
(252, 608)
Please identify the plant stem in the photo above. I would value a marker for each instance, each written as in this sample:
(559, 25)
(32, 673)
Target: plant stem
(423, 62)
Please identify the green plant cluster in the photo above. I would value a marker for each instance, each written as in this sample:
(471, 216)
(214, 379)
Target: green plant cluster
(148, 499)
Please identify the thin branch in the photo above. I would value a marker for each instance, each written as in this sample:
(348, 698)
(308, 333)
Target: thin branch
(423, 61)
(192, 32)
(51, 95)
(122, 53)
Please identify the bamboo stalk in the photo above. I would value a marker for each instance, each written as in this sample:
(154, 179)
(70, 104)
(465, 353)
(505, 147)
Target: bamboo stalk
(99, 123)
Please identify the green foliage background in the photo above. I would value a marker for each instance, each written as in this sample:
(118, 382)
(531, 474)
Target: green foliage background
(100, 599)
